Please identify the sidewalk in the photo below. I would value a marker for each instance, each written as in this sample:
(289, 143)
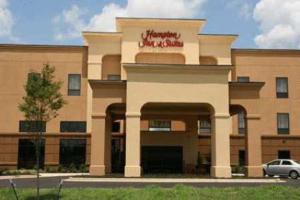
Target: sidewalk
(46, 175)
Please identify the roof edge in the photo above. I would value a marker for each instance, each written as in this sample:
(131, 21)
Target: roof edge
(42, 46)
(254, 50)
(157, 18)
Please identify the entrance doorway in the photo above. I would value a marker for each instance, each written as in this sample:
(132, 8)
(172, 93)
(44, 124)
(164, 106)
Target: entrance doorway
(162, 159)
(117, 155)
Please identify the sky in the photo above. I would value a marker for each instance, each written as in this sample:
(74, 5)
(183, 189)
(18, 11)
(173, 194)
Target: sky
(259, 23)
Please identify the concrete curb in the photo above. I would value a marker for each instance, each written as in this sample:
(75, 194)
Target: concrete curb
(172, 180)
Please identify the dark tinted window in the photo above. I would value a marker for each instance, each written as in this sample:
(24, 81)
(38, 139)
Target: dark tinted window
(27, 154)
(73, 126)
(282, 87)
(284, 154)
(116, 127)
(72, 151)
(34, 75)
(276, 162)
(283, 123)
(242, 157)
(205, 126)
(241, 123)
(74, 84)
(32, 126)
(243, 79)
(113, 77)
(285, 162)
(159, 125)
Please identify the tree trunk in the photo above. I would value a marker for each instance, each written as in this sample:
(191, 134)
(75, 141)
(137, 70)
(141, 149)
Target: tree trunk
(37, 150)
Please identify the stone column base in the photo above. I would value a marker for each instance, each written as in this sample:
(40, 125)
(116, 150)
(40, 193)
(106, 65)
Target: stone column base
(220, 171)
(97, 170)
(132, 171)
(254, 171)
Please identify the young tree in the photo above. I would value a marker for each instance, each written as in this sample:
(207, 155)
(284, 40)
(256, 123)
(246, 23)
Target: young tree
(41, 104)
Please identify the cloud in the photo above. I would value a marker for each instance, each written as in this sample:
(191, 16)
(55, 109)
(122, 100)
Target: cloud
(244, 7)
(6, 21)
(105, 21)
(70, 23)
(279, 23)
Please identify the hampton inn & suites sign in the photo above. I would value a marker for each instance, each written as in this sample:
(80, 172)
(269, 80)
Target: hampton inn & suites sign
(154, 39)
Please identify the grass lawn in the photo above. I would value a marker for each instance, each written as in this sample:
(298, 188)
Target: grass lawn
(179, 192)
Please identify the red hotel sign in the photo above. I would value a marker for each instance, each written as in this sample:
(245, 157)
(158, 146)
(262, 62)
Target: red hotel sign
(160, 39)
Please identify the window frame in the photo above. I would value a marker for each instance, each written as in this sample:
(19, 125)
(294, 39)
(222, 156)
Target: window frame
(74, 92)
(282, 95)
(283, 131)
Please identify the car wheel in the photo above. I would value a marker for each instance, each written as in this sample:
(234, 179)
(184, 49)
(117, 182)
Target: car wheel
(264, 173)
(294, 174)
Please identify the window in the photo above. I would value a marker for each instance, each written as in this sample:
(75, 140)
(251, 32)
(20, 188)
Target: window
(113, 77)
(283, 123)
(72, 151)
(243, 79)
(205, 126)
(32, 126)
(284, 154)
(282, 87)
(74, 84)
(160, 125)
(275, 162)
(115, 127)
(286, 162)
(241, 123)
(73, 126)
(242, 158)
(26, 154)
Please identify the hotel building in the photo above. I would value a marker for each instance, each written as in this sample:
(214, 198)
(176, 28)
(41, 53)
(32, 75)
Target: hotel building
(156, 96)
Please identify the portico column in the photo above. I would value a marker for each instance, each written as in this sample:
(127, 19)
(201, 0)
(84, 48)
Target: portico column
(220, 146)
(133, 145)
(97, 166)
(253, 147)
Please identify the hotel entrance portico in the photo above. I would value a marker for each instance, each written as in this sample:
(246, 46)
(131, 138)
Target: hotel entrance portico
(165, 75)
(192, 85)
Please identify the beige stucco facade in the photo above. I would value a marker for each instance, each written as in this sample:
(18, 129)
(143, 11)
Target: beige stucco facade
(163, 70)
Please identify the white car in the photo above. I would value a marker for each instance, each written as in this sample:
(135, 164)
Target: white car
(282, 167)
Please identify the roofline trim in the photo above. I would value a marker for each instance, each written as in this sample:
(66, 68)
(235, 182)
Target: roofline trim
(157, 18)
(253, 50)
(208, 34)
(41, 46)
